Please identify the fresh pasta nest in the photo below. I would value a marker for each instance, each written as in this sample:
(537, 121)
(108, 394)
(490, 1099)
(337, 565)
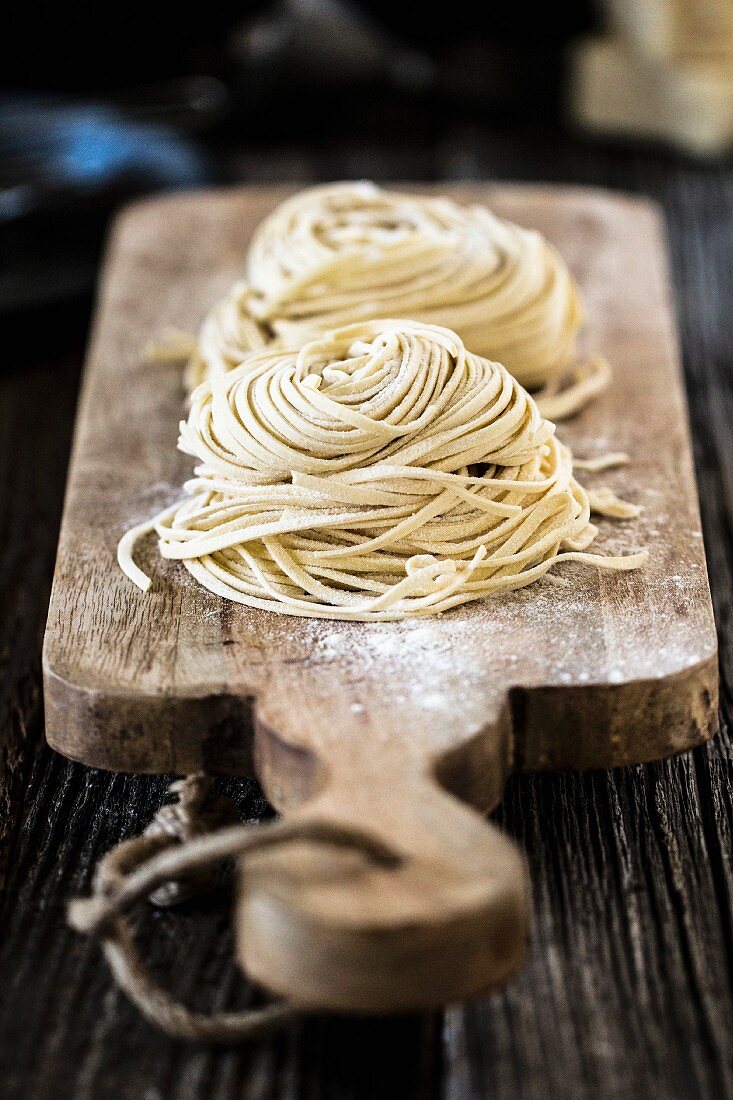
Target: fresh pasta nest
(376, 472)
(349, 252)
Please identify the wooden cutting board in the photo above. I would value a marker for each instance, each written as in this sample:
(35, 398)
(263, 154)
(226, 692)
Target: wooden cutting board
(406, 729)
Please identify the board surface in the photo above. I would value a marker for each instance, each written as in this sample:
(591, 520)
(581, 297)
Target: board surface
(161, 682)
(356, 721)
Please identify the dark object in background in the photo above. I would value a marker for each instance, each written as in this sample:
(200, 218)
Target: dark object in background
(54, 153)
(79, 134)
(287, 60)
(63, 168)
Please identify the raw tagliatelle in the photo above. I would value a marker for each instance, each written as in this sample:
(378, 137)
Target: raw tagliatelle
(377, 472)
(349, 252)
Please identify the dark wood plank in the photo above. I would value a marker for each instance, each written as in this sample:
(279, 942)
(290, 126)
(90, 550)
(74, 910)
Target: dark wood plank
(635, 865)
(36, 410)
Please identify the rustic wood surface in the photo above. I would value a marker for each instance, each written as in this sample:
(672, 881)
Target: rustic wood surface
(353, 720)
(629, 984)
(161, 681)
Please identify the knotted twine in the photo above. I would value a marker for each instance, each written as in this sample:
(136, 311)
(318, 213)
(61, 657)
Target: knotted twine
(172, 861)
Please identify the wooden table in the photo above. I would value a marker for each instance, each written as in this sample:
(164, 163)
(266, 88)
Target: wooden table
(629, 987)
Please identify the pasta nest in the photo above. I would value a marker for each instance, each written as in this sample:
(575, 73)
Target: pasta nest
(351, 252)
(376, 472)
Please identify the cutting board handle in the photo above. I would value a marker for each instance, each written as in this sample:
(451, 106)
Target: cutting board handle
(333, 930)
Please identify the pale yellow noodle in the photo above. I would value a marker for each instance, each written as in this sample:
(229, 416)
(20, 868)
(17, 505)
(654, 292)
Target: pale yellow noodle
(377, 472)
(349, 252)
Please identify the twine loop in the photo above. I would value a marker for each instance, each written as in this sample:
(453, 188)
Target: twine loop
(172, 861)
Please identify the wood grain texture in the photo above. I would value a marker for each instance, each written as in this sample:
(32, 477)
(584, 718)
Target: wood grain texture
(628, 988)
(601, 671)
(30, 499)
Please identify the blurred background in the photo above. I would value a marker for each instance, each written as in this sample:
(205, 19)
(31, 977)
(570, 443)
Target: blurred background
(101, 102)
